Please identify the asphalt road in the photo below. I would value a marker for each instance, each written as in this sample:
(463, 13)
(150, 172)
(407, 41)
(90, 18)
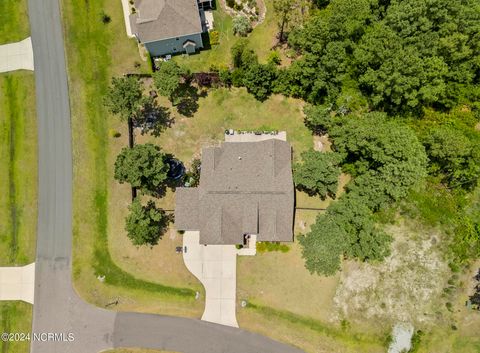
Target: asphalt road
(57, 307)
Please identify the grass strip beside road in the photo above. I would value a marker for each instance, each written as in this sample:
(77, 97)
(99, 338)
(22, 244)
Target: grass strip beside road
(18, 158)
(15, 317)
(14, 21)
(95, 52)
(337, 337)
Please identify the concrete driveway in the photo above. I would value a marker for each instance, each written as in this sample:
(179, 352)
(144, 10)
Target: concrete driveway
(16, 56)
(17, 283)
(216, 267)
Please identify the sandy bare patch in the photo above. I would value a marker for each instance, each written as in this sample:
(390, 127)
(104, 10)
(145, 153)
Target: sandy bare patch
(406, 287)
(322, 143)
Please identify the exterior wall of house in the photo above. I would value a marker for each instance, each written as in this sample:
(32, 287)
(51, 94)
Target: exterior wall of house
(173, 45)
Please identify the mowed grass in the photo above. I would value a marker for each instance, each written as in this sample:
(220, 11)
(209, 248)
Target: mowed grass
(233, 108)
(96, 52)
(18, 171)
(14, 21)
(312, 336)
(261, 40)
(18, 174)
(15, 317)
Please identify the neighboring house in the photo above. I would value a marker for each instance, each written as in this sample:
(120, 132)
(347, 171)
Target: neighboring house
(245, 188)
(168, 26)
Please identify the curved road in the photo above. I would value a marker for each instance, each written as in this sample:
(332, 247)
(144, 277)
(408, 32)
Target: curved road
(57, 307)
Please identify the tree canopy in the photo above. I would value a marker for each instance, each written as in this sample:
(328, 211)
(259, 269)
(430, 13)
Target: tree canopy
(453, 155)
(124, 97)
(258, 79)
(143, 166)
(168, 79)
(145, 224)
(318, 173)
(402, 55)
(384, 156)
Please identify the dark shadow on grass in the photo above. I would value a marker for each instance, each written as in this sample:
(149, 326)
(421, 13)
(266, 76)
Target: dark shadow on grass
(155, 119)
(188, 100)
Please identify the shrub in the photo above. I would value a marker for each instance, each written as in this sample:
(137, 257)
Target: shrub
(230, 3)
(274, 58)
(106, 18)
(214, 37)
(241, 26)
(266, 246)
(114, 133)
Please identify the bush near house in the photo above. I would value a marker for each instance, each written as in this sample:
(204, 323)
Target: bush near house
(214, 37)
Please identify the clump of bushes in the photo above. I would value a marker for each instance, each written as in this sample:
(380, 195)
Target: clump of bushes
(241, 26)
(267, 246)
(214, 37)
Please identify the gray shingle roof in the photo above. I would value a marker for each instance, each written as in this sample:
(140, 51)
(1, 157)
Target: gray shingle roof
(245, 188)
(162, 19)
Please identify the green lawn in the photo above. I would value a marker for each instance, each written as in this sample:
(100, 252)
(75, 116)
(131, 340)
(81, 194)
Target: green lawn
(14, 21)
(233, 108)
(18, 154)
(15, 317)
(96, 52)
(261, 40)
(18, 171)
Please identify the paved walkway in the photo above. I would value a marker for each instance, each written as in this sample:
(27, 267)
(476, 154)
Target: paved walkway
(17, 283)
(16, 56)
(215, 266)
(126, 17)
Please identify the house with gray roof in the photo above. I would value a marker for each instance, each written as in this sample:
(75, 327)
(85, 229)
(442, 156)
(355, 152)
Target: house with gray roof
(245, 188)
(168, 26)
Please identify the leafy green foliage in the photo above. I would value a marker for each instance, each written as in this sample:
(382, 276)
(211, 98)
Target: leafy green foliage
(453, 155)
(416, 341)
(242, 55)
(143, 167)
(365, 240)
(241, 26)
(124, 97)
(214, 37)
(268, 246)
(145, 224)
(194, 172)
(258, 78)
(168, 79)
(402, 54)
(386, 160)
(384, 156)
(274, 58)
(323, 247)
(318, 173)
(289, 13)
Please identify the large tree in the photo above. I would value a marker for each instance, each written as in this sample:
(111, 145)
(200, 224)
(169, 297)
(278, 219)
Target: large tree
(124, 97)
(145, 224)
(168, 79)
(258, 79)
(323, 247)
(384, 156)
(143, 166)
(289, 12)
(402, 55)
(318, 173)
(453, 155)
(347, 229)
